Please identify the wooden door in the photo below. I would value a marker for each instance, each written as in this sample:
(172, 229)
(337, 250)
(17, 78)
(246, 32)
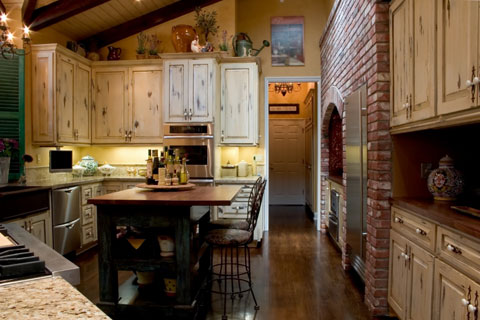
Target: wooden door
(146, 104)
(110, 105)
(40, 226)
(81, 109)
(176, 92)
(400, 61)
(397, 281)
(201, 90)
(43, 91)
(457, 22)
(238, 108)
(287, 162)
(65, 83)
(423, 57)
(420, 284)
(451, 287)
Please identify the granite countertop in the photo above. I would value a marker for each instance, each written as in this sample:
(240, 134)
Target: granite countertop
(441, 214)
(46, 298)
(248, 179)
(84, 180)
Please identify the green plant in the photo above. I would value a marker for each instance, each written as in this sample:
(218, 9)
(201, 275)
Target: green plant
(153, 43)
(206, 21)
(224, 46)
(7, 146)
(142, 39)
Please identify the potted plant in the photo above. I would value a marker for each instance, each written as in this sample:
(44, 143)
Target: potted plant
(142, 39)
(153, 43)
(7, 146)
(206, 22)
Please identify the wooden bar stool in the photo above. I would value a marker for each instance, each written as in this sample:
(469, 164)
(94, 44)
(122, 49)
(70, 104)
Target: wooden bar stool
(232, 271)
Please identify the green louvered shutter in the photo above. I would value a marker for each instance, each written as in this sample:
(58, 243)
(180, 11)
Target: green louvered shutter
(12, 108)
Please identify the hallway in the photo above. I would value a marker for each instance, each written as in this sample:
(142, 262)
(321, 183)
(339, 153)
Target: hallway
(297, 274)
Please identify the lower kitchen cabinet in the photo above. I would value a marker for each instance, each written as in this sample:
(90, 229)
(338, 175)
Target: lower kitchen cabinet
(39, 225)
(89, 215)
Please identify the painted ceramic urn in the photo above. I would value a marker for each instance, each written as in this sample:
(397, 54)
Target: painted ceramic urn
(445, 182)
(90, 165)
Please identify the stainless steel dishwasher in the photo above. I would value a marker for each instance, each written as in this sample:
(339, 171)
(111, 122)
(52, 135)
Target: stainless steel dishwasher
(66, 219)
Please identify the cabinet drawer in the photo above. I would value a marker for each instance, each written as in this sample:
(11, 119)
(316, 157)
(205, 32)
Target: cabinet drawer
(88, 214)
(244, 193)
(238, 210)
(87, 193)
(88, 234)
(460, 251)
(416, 229)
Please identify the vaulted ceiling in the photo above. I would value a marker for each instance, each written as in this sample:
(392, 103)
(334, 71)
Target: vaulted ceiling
(100, 22)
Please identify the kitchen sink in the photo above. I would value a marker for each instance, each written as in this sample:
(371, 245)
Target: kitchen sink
(17, 201)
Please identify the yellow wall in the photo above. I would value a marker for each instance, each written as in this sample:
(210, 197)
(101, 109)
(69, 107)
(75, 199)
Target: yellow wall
(292, 98)
(225, 19)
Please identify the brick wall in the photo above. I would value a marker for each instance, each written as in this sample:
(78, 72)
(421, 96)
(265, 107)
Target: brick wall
(354, 51)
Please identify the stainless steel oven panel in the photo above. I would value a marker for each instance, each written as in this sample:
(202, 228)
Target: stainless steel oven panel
(333, 226)
(189, 130)
(199, 170)
(334, 202)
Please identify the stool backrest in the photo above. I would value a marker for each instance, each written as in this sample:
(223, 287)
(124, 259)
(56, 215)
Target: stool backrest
(252, 196)
(256, 205)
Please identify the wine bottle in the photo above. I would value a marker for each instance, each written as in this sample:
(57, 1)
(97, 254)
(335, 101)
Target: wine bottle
(183, 172)
(150, 168)
(156, 163)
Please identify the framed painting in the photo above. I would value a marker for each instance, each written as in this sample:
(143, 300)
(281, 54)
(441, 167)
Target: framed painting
(284, 108)
(287, 41)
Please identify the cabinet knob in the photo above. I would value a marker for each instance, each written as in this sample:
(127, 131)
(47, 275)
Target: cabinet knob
(398, 220)
(453, 249)
(420, 231)
(471, 308)
(476, 81)
(469, 83)
(465, 302)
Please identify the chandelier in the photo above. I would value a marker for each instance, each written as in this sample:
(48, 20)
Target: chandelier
(285, 87)
(8, 47)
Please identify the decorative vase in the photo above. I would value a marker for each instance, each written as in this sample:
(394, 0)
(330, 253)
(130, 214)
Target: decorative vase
(94, 56)
(182, 37)
(90, 165)
(4, 168)
(167, 246)
(170, 287)
(445, 183)
(114, 53)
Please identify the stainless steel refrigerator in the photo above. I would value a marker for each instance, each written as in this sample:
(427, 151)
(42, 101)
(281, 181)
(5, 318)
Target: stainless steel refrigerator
(356, 153)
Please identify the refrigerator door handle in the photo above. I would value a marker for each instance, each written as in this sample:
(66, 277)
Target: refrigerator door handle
(68, 225)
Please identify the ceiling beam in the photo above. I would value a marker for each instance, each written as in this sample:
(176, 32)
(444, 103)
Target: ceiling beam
(60, 10)
(144, 22)
(2, 7)
(28, 8)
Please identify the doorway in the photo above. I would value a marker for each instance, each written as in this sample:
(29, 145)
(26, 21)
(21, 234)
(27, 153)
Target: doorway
(291, 143)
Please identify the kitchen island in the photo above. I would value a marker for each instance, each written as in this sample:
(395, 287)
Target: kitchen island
(186, 215)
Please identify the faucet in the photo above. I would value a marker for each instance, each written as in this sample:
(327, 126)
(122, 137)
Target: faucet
(23, 178)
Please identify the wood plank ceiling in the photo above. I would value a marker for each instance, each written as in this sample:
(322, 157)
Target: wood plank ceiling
(104, 16)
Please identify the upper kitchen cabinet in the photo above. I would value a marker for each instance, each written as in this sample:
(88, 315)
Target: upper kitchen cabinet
(412, 55)
(127, 105)
(189, 90)
(239, 104)
(60, 96)
(457, 58)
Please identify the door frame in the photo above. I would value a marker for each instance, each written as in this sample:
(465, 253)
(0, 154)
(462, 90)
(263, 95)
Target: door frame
(317, 127)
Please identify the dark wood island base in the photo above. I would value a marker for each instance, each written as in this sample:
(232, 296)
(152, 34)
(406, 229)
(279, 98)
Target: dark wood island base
(186, 215)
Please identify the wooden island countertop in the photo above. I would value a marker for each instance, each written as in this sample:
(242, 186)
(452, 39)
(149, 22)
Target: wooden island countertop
(199, 196)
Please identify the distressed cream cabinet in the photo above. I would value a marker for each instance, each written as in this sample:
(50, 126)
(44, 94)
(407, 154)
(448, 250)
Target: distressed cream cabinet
(239, 104)
(412, 56)
(189, 90)
(457, 55)
(127, 104)
(433, 271)
(61, 96)
(39, 225)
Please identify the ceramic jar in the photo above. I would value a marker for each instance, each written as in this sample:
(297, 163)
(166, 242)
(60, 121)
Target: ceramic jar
(182, 37)
(167, 246)
(445, 183)
(90, 165)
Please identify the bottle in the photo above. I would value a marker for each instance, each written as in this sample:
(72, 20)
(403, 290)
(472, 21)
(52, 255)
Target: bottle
(150, 168)
(169, 169)
(175, 180)
(177, 164)
(161, 172)
(156, 164)
(183, 172)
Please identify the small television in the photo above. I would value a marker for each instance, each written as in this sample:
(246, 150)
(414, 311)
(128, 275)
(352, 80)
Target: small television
(60, 160)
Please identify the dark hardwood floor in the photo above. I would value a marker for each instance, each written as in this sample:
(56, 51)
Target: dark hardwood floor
(297, 274)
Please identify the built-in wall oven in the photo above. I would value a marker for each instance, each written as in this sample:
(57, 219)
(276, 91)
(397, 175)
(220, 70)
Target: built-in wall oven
(333, 214)
(196, 142)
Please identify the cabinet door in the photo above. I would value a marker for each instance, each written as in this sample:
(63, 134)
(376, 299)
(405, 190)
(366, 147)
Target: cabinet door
(40, 226)
(201, 90)
(423, 72)
(451, 287)
(420, 284)
(81, 109)
(175, 90)
(146, 104)
(110, 105)
(64, 102)
(397, 284)
(43, 97)
(400, 57)
(239, 103)
(456, 54)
